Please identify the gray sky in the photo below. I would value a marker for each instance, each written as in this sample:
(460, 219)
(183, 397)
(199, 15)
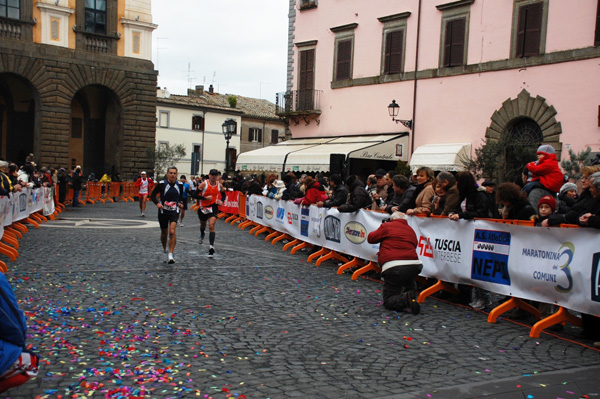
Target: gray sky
(239, 46)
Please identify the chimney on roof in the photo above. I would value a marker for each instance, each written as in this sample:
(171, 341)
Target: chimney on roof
(211, 89)
(197, 92)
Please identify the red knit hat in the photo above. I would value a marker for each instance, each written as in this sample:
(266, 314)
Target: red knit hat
(548, 200)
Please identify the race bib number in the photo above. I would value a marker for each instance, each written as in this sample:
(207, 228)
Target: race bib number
(206, 210)
(170, 206)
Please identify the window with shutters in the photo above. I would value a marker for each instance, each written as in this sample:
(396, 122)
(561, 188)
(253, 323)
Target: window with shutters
(343, 59)
(393, 47)
(393, 43)
(306, 80)
(597, 37)
(10, 9)
(198, 122)
(454, 42)
(95, 16)
(529, 28)
(455, 33)
(255, 135)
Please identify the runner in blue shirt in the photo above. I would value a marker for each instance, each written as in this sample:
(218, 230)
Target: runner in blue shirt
(187, 189)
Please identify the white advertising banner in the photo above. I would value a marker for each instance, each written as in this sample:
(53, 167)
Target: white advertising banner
(552, 265)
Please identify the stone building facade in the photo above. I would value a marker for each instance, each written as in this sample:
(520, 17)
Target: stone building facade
(77, 90)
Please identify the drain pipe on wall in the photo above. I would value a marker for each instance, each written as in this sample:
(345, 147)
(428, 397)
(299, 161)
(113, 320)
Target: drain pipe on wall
(412, 137)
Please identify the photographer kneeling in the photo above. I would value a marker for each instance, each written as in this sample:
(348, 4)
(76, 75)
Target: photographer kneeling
(399, 262)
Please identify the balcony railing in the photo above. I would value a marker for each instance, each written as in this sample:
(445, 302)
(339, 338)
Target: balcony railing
(298, 101)
(16, 29)
(96, 43)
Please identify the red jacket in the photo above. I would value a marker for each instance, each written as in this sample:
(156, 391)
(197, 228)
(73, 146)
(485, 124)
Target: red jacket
(397, 239)
(547, 172)
(314, 195)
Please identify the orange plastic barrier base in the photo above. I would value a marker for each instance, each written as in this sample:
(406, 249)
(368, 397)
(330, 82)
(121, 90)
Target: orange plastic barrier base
(560, 317)
(439, 286)
(300, 246)
(263, 230)
(369, 267)
(3, 267)
(282, 236)
(350, 265)
(511, 304)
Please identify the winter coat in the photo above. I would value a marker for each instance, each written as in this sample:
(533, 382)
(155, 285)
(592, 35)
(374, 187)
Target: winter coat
(452, 201)
(314, 195)
(359, 198)
(291, 192)
(339, 197)
(402, 201)
(519, 211)
(565, 203)
(585, 204)
(546, 170)
(476, 205)
(423, 202)
(397, 239)
(12, 326)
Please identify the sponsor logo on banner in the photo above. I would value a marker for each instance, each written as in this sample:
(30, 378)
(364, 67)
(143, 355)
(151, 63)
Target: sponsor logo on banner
(565, 255)
(596, 277)
(259, 209)
(425, 247)
(280, 215)
(490, 256)
(332, 229)
(292, 219)
(355, 232)
(441, 249)
(316, 224)
(22, 202)
(269, 212)
(304, 221)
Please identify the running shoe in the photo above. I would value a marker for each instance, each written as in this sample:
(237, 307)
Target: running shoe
(201, 239)
(166, 257)
(171, 259)
(180, 224)
(143, 215)
(211, 252)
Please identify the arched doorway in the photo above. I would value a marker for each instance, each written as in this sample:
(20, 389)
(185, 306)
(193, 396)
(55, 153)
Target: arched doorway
(95, 141)
(19, 118)
(517, 130)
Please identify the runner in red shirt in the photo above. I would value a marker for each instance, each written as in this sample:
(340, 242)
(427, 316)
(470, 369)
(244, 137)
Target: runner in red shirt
(209, 194)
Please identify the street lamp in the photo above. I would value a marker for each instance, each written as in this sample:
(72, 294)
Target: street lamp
(393, 109)
(229, 128)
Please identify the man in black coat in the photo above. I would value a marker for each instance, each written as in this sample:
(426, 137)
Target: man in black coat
(340, 193)
(359, 197)
(403, 193)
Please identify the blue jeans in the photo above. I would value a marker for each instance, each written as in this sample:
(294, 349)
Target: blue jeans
(76, 198)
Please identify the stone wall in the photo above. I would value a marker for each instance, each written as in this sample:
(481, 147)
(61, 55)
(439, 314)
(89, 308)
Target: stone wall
(56, 74)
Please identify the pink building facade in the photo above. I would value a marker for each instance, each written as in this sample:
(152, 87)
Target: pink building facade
(462, 71)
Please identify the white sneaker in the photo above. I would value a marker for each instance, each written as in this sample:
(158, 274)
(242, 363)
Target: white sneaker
(171, 259)
(180, 224)
(143, 215)
(211, 252)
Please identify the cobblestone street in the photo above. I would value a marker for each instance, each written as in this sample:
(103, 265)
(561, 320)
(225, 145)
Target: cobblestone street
(110, 319)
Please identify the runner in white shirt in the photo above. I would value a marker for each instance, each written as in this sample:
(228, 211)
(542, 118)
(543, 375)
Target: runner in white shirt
(145, 185)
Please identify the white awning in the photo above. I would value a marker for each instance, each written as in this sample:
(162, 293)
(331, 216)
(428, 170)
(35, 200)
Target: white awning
(317, 159)
(441, 157)
(268, 159)
(313, 154)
